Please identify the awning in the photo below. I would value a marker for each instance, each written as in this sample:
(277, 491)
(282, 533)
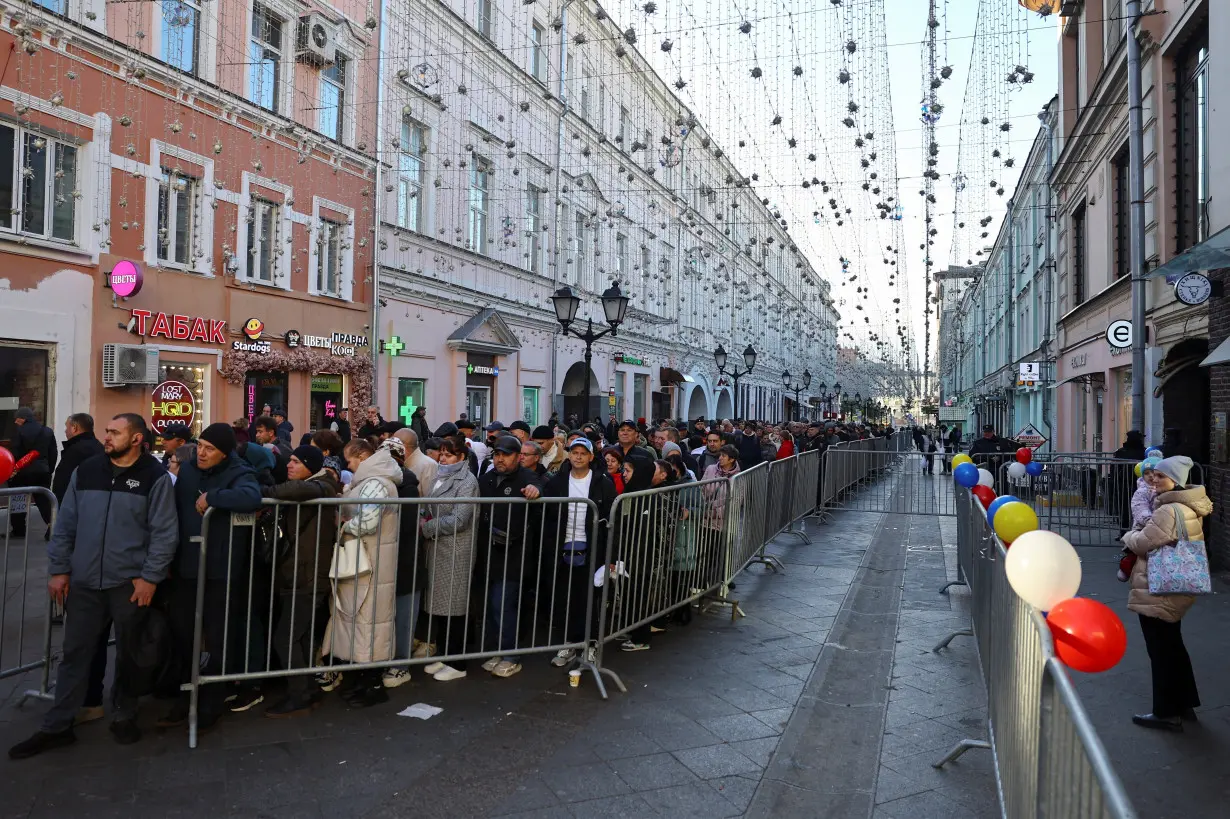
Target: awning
(486, 332)
(1221, 355)
(1070, 379)
(1211, 254)
(669, 375)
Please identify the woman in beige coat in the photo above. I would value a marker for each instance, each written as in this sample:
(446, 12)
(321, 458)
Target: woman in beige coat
(361, 628)
(1174, 684)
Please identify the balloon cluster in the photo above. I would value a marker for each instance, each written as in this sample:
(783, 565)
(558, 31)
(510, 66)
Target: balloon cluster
(7, 465)
(1153, 456)
(1045, 571)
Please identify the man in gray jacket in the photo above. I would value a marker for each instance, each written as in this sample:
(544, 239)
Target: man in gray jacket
(115, 537)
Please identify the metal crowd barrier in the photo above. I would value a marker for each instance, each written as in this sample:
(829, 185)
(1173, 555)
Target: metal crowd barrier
(853, 479)
(25, 606)
(849, 466)
(1048, 758)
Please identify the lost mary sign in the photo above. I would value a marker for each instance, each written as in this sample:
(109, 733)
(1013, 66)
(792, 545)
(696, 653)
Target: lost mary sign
(171, 402)
(179, 327)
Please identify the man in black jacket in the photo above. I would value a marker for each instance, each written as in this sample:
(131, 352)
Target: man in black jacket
(372, 424)
(33, 437)
(581, 545)
(79, 445)
(503, 557)
(267, 436)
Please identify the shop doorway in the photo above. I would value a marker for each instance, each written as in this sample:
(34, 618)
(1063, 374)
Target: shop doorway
(261, 388)
(26, 376)
(574, 393)
(478, 405)
(326, 400)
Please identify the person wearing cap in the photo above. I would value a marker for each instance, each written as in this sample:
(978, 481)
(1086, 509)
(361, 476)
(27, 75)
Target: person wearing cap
(1178, 513)
(285, 428)
(520, 430)
(629, 442)
(503, 557)
(301, 570)
(222, 481)
(580, 548)
(173, 437)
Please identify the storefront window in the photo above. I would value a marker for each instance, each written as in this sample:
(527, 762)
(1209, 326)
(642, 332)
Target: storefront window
(196, 378)
(411, 394)
(264, 388)
(327, 392)
(529, 405)
(23, 383)
(640, 392)
(621, 386)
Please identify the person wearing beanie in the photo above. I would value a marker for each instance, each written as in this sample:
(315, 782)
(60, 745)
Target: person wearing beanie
(1178, 513)
(224, 482)
(301, 573)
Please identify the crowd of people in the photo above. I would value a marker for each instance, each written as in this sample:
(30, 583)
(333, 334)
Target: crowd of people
(360, 581)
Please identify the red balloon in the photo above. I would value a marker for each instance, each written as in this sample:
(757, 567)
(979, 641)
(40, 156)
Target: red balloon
(7, 468)
(1024, 455)
(1088, 636)
(985, 494)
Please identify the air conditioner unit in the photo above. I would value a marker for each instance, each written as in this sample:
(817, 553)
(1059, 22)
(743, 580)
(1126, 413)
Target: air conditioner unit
(125, 364)
(314, 40)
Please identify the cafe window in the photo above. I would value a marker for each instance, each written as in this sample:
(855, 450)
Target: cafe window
(261, 389)
(529, 405)
(196, 378)
(327, 392)
(411, 394)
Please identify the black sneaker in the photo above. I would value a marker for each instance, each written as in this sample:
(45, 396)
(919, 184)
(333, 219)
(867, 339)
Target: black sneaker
(174, 718)
(42, 741)
(125, 731)
(290, 707)
(245, 699)
(367, 697)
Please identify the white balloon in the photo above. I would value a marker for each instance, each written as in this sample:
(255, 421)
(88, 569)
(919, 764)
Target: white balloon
(985, 478)
(1016, 470)
(1043, 568)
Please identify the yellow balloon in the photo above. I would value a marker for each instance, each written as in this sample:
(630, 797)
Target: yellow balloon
(957, 460)
(1138, 468)
(1013, 520)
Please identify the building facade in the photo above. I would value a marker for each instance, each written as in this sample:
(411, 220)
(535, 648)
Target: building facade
(530, 147)
(1092, 201)
(186, 202)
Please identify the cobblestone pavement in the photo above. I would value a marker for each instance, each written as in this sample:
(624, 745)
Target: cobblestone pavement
(824, 701)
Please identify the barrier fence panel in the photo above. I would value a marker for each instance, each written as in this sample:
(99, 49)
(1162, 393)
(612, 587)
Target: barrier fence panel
(25, 607)
(496, 577)
(1048, 759)
(806, 484)
(884, 479)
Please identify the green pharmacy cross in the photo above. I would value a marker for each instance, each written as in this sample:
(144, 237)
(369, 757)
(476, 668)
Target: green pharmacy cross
(394, 345)
(407, 409)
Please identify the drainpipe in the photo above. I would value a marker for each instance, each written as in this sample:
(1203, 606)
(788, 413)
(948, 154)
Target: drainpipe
(1136, 185)
(1010, 390)
(1047, 357)
(566, 104)
(378, 192)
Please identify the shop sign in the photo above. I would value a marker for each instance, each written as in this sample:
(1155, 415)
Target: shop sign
(478, 369)
(179, 327)
(623, 358)
(171, 403)
(252, 329)
(1030, 437)
(126, 279)
(326, 383)
(339, 344)
(1078, 361)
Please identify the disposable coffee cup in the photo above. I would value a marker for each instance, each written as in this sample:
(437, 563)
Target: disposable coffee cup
(574, 678)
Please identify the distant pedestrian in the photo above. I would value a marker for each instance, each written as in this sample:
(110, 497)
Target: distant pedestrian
(285, 428)
(32, 437)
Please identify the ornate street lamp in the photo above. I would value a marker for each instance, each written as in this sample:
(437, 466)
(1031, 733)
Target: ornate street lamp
(749, 361)
(796, 388)
(829, 397)
(614, 306)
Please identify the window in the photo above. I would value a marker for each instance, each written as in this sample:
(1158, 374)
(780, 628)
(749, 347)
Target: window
(264, 58)
(1192, 181)
(1122, 215)
(410, 175)
(38, 185)
(58, 6)
(263, 222)
(196, 378)
(411, 394)
(621, 257)
(1113, 25)
(333, 98)
(533, 228)
(176, 217)
(640, 391)
(1078, 256)
(485, 13)
(585, 81)
(622, 139)
(181, 25)
(580, 256)
(529, 405)
(330, 239)
(480, 193)
(538, 57)
(601, 108)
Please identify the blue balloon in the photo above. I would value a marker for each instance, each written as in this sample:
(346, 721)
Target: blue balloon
(1153, 452)
(1033, 468)
(966, 475)
(998, 502)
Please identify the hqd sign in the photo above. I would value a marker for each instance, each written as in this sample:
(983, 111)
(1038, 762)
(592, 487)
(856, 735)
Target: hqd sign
(171, 403)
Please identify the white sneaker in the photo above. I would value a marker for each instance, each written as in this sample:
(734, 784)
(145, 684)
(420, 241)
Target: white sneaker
(432, 668)
(329, 680)
(394, 677)
(447, 674)
(424, 650)
(563, 657)
(506, 668)
(492, 663)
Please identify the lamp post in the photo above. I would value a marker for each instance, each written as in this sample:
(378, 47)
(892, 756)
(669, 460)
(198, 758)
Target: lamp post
(829, 397)
(796, 388)
(749, 361)
(614, 305)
